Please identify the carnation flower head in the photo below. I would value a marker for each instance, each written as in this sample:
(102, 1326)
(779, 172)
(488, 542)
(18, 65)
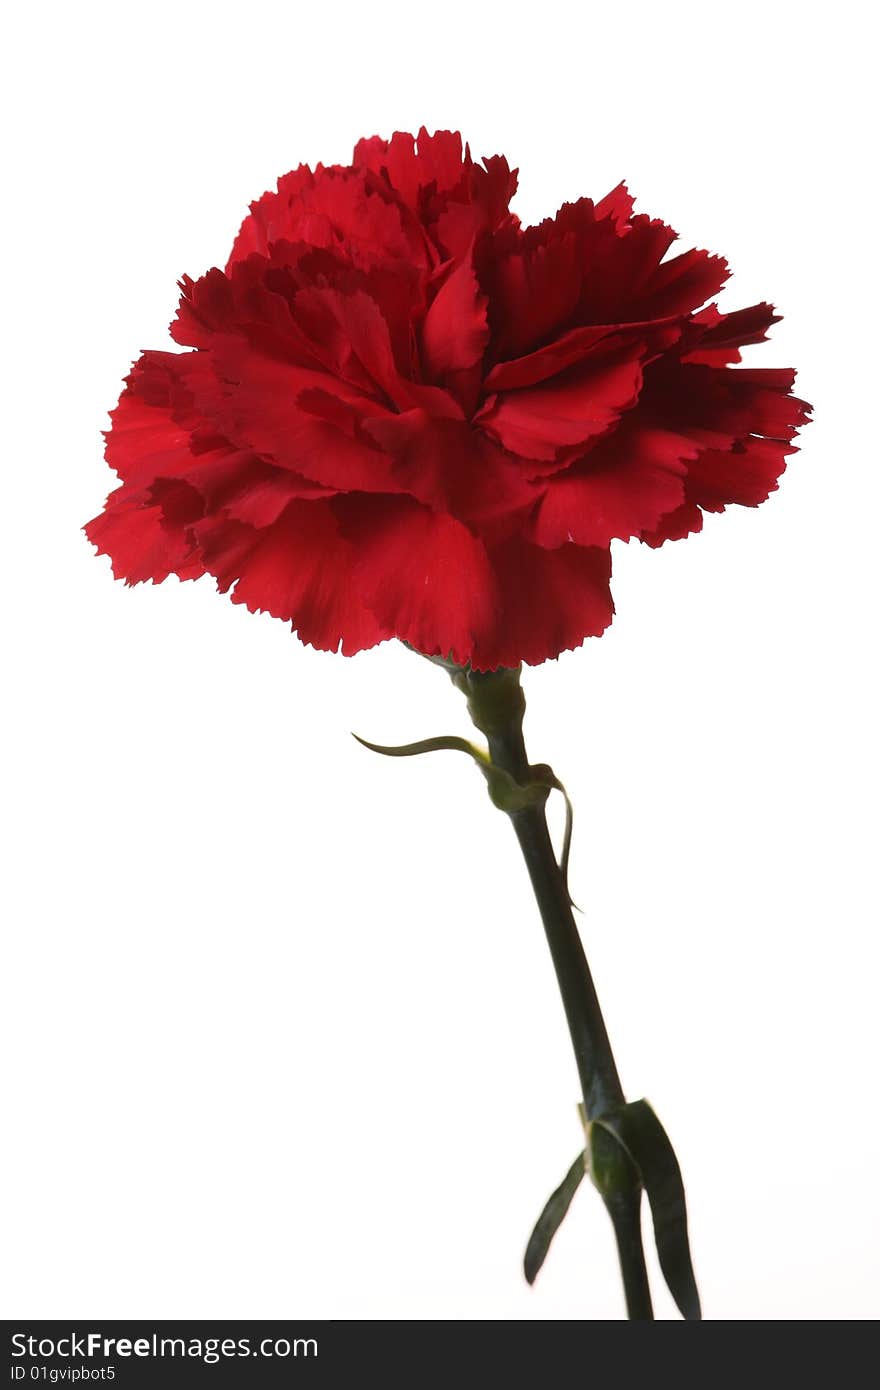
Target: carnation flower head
(399, 413)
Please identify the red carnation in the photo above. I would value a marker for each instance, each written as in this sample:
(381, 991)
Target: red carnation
(401, 414)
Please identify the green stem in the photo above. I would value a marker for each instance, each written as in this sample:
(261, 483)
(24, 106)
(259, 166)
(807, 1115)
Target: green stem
(595, 1061)
(497, 706)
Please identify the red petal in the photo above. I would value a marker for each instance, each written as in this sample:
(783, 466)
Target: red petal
(438, 161)
(151, 426)
(352, 336)
(156, 436)
(300, 570)
(720, 342)
(549, 601)
(616, 205)
(575, 406)
(424, 574)
(619, 263)
(260, 495)
(450, 466)
(686, 520)
(355, 326)
(145, 441)
(536, 366)
(764, 396)
(747, 474)
(279, 411)
(142, 542)
(535, 283)
(271, 217)
(747, 467)
(679, 286)
(718, 405)
(621, 488)
(338, 208)
(455, 331)
(436, 182)
(577, 344)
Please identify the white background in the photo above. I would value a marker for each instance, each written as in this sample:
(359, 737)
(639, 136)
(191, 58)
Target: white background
(281, 1034)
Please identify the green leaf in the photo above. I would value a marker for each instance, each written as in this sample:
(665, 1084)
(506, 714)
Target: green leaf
(639, 1132)
(504, 790)
(427, 745)
(506, 793)
(551, 1218)
(543, 775)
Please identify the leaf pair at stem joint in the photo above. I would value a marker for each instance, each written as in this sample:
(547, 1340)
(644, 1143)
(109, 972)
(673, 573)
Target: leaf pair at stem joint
(505, 791)
(632, 1134)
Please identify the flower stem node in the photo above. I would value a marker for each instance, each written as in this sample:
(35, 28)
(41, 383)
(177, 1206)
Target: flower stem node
(505, 791)
(607, 1162)
(624, 1146)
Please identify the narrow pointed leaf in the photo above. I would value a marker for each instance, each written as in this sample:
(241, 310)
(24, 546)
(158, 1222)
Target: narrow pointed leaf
(426, 745)
(566, 840)
(640, 1133)
(551, 1218)
(543, 776)
(506, 793)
